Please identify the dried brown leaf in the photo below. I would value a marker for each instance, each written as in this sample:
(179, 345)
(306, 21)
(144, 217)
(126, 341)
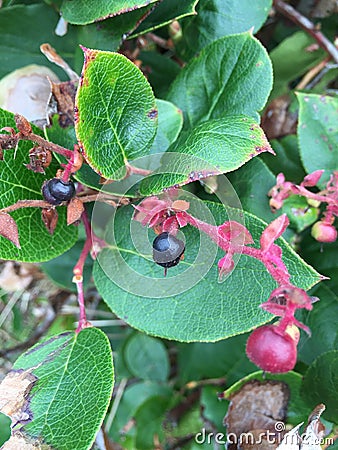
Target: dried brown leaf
(9, 229)
(49, 218)
(20, 442)
(62, 102)
(277, 120)
(75, 209)
(23, 125)
(257, 405)
(14, 392)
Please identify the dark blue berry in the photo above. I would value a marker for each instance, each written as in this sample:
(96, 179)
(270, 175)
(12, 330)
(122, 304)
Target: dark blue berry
(167, 250)
(56, 191)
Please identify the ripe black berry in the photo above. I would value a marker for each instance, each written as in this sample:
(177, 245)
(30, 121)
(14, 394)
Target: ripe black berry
(56, 191)
(167, 250)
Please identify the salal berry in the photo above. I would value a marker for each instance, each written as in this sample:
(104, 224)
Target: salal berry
(271, 351)
(55, 191)
(324, 232)
(167, 250)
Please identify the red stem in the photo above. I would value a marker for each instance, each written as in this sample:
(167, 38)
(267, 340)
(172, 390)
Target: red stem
(68, 169)
(212, 231)
(304, 23)
(78, 269)
(78, 273)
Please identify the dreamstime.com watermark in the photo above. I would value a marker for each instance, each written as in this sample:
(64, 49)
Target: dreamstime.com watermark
(271, 437)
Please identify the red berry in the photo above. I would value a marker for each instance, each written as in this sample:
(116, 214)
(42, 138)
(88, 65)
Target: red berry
(271, 351)
(324, 232)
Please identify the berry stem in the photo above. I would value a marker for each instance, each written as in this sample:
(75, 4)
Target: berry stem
(91, 239)
(68, 169)
(26, 204)
(8, 141)
(277, 271)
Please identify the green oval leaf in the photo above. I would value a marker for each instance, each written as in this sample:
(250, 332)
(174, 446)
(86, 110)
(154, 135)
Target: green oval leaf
(170, 122)
(318, 133)
(290, 60)
(71, 391)
(132, 400)
(207, 311)
(322, 321)
(80, 13)
(320, 384)
(19, 183)
(34, 24)
(251, 183)
(231, 76)
(146, 358)
(213, 147)
(218, 18)
(117, 115)
(165, 12)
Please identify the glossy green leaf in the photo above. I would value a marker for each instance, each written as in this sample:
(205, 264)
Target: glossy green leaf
(287, 158)
(170, 121)
(19, 183)
(189, 304)
(216, 146)
(149, 419)
(231, 76)
(320, 384)
(323, 257)
(164, 13)
(226, 358)
(161, 71)
(252, 182)
(132, 400)
(213, 410)
(117, 115)
(5, 430)
(146, 357)
(218, 18)
(322, 321)
(72, 389)
(299, 212)
(291, 59)
(23, 28)
(298, 410)
(111, 32)
(318, 133)
(80, 13)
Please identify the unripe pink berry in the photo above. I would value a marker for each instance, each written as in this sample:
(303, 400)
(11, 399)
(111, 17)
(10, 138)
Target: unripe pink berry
(324, 232)
(271, 351)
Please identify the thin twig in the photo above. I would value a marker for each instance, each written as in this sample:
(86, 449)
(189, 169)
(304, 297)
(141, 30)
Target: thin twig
(308, 77)
(117, 399)
(304, 23)
(26, 204)
(10, 141)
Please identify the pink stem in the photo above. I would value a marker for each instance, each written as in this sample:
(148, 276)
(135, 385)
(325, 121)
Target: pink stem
(300, 190)
(212, 231)
(81, 300)
(78, 273)
(68, 169)
(78, 269)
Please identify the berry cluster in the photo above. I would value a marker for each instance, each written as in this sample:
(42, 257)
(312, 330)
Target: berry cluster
(323, 230)
(272, 347)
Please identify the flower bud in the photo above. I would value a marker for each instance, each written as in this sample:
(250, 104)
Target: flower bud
(324, 232)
